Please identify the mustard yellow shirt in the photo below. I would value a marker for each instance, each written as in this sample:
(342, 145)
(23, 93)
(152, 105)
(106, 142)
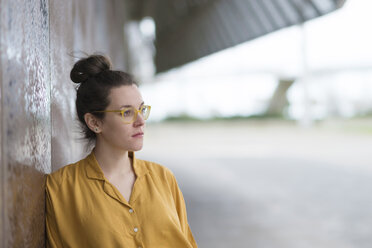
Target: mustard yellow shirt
(83, 209)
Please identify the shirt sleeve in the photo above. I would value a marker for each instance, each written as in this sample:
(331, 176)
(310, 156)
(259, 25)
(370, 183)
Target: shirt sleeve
(53, 239)
(181, 211)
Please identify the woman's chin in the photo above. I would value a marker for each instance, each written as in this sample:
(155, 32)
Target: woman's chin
(137, 148)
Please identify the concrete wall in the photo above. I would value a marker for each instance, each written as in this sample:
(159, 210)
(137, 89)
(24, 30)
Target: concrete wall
(39, 131)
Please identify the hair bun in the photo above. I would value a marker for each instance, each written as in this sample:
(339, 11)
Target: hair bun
(89, 67)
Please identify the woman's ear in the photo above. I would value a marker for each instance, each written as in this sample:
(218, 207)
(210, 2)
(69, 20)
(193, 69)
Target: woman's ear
(93, 122)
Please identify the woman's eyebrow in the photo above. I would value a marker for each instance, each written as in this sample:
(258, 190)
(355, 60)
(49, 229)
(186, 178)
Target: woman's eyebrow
(128, 106)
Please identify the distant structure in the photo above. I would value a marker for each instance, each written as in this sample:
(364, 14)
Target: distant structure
(190, 29)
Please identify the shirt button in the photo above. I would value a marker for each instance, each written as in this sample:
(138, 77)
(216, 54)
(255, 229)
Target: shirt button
(130, 210)
(135, 229)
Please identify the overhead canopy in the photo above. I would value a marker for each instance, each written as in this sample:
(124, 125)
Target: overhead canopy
(187, 30)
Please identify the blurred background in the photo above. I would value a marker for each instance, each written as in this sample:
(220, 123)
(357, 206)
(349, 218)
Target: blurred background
(269, 139)
(261, 108)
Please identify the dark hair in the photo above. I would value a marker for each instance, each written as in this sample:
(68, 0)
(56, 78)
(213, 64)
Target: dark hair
(95, 79)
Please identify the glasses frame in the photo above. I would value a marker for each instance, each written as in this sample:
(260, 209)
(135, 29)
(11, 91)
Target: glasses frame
(136, 112)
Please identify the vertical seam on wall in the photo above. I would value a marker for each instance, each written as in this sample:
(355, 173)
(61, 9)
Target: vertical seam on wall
(2, 193)
(50, 88)
(50, 115)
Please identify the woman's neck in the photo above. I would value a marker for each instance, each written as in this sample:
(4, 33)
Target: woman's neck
(112, 161)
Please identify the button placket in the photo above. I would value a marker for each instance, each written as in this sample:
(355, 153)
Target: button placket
(135, 220)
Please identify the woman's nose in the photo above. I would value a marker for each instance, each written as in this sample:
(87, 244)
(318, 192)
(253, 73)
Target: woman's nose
(139, 120)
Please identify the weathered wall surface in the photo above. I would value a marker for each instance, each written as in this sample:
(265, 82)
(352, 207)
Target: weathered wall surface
(78, 27)
(25, 119)
(37, 112)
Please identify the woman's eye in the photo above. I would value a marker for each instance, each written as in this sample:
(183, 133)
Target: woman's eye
(128, 113)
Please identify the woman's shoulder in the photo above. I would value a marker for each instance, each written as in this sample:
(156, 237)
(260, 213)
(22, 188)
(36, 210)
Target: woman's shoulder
(56, 178)
(155, 168)
(161, 175)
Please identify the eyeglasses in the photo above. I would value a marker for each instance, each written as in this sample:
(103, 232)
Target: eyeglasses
(129, 115)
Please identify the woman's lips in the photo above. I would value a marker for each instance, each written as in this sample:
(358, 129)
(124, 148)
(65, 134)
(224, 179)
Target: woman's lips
(138, 135)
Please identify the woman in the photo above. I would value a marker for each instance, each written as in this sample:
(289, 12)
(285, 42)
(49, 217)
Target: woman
(110, 198)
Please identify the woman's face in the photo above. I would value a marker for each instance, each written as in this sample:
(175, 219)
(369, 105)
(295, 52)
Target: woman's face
(114, 132)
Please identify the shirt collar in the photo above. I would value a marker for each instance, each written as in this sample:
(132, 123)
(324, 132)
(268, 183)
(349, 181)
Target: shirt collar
(94, 171)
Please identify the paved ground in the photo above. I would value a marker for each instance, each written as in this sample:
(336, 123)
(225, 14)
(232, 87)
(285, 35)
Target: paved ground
(271, 185)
